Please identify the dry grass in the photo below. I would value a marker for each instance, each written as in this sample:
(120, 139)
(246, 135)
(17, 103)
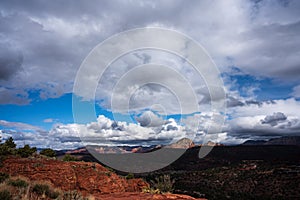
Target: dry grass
(35, 190)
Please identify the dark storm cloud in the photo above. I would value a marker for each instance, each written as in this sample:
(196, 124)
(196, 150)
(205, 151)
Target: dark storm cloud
(274, 119)
(10, 61)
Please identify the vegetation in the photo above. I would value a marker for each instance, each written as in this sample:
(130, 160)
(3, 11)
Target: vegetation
(17, 188)
(3, 177)
(69, 158)
(163, 183)
(9, 148)
(18, 183)
(74, 195)
(235, 172)
(26, 151)
(48, 152)
(43, 189)
(129, 176)
(10, 143)
(5, 195)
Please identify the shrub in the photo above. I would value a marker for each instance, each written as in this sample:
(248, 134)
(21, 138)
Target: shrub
(41, 189)
(8, 147)
(10, 143)
(129, 176)
(18, 183)
(68, 158)
(3, 177)
(52, 194)
(74, 195)
(5, 195)
(48, 152)
(163, 183)
(26, 151)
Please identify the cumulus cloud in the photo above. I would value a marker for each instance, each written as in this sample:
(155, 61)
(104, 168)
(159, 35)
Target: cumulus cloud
(149, 119)
(102, 132)
(276, 118)
(105, 131)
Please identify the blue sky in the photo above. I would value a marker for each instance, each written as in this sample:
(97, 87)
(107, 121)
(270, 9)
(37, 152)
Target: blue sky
(254, 44)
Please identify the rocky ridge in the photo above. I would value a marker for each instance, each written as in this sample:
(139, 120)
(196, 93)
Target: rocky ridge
(85, 177)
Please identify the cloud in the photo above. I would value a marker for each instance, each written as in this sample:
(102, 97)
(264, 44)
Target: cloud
(149, 119)
(102, 132)
(264, 120)
(50, 42)
(296, 92)
(10, 61)
(13, 96)
(19, 126)
(274, 119)
(239, 127)
(49, 120)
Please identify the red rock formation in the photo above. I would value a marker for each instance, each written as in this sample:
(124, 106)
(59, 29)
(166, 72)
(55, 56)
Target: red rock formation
(89, 178)
(86, 177)
(183, 143)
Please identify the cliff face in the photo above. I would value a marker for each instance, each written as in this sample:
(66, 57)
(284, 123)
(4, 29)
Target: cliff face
(86, 177)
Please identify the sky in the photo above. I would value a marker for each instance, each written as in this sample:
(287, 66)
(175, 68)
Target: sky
(255, 45)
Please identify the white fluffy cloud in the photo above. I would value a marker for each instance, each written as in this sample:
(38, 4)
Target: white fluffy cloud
(102, 132)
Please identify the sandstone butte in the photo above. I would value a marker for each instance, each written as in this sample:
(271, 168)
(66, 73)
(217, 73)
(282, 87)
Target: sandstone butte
(86, 177)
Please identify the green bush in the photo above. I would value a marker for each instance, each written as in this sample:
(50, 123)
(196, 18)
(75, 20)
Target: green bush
(163, 183)
(5, 195)
(69, 158)
(8, 148)
(3, 177)
(10, 143)
(129, 176)
(26, 151)
(52, 194)
(48, 152)
(18, 183)
(41, 189)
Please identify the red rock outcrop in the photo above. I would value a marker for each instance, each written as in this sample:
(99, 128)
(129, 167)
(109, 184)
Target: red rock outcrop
(89, 178)
(86, 177)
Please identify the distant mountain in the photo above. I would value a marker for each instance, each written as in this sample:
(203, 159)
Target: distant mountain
(210, 143)
(286, 140)
(183, 143)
